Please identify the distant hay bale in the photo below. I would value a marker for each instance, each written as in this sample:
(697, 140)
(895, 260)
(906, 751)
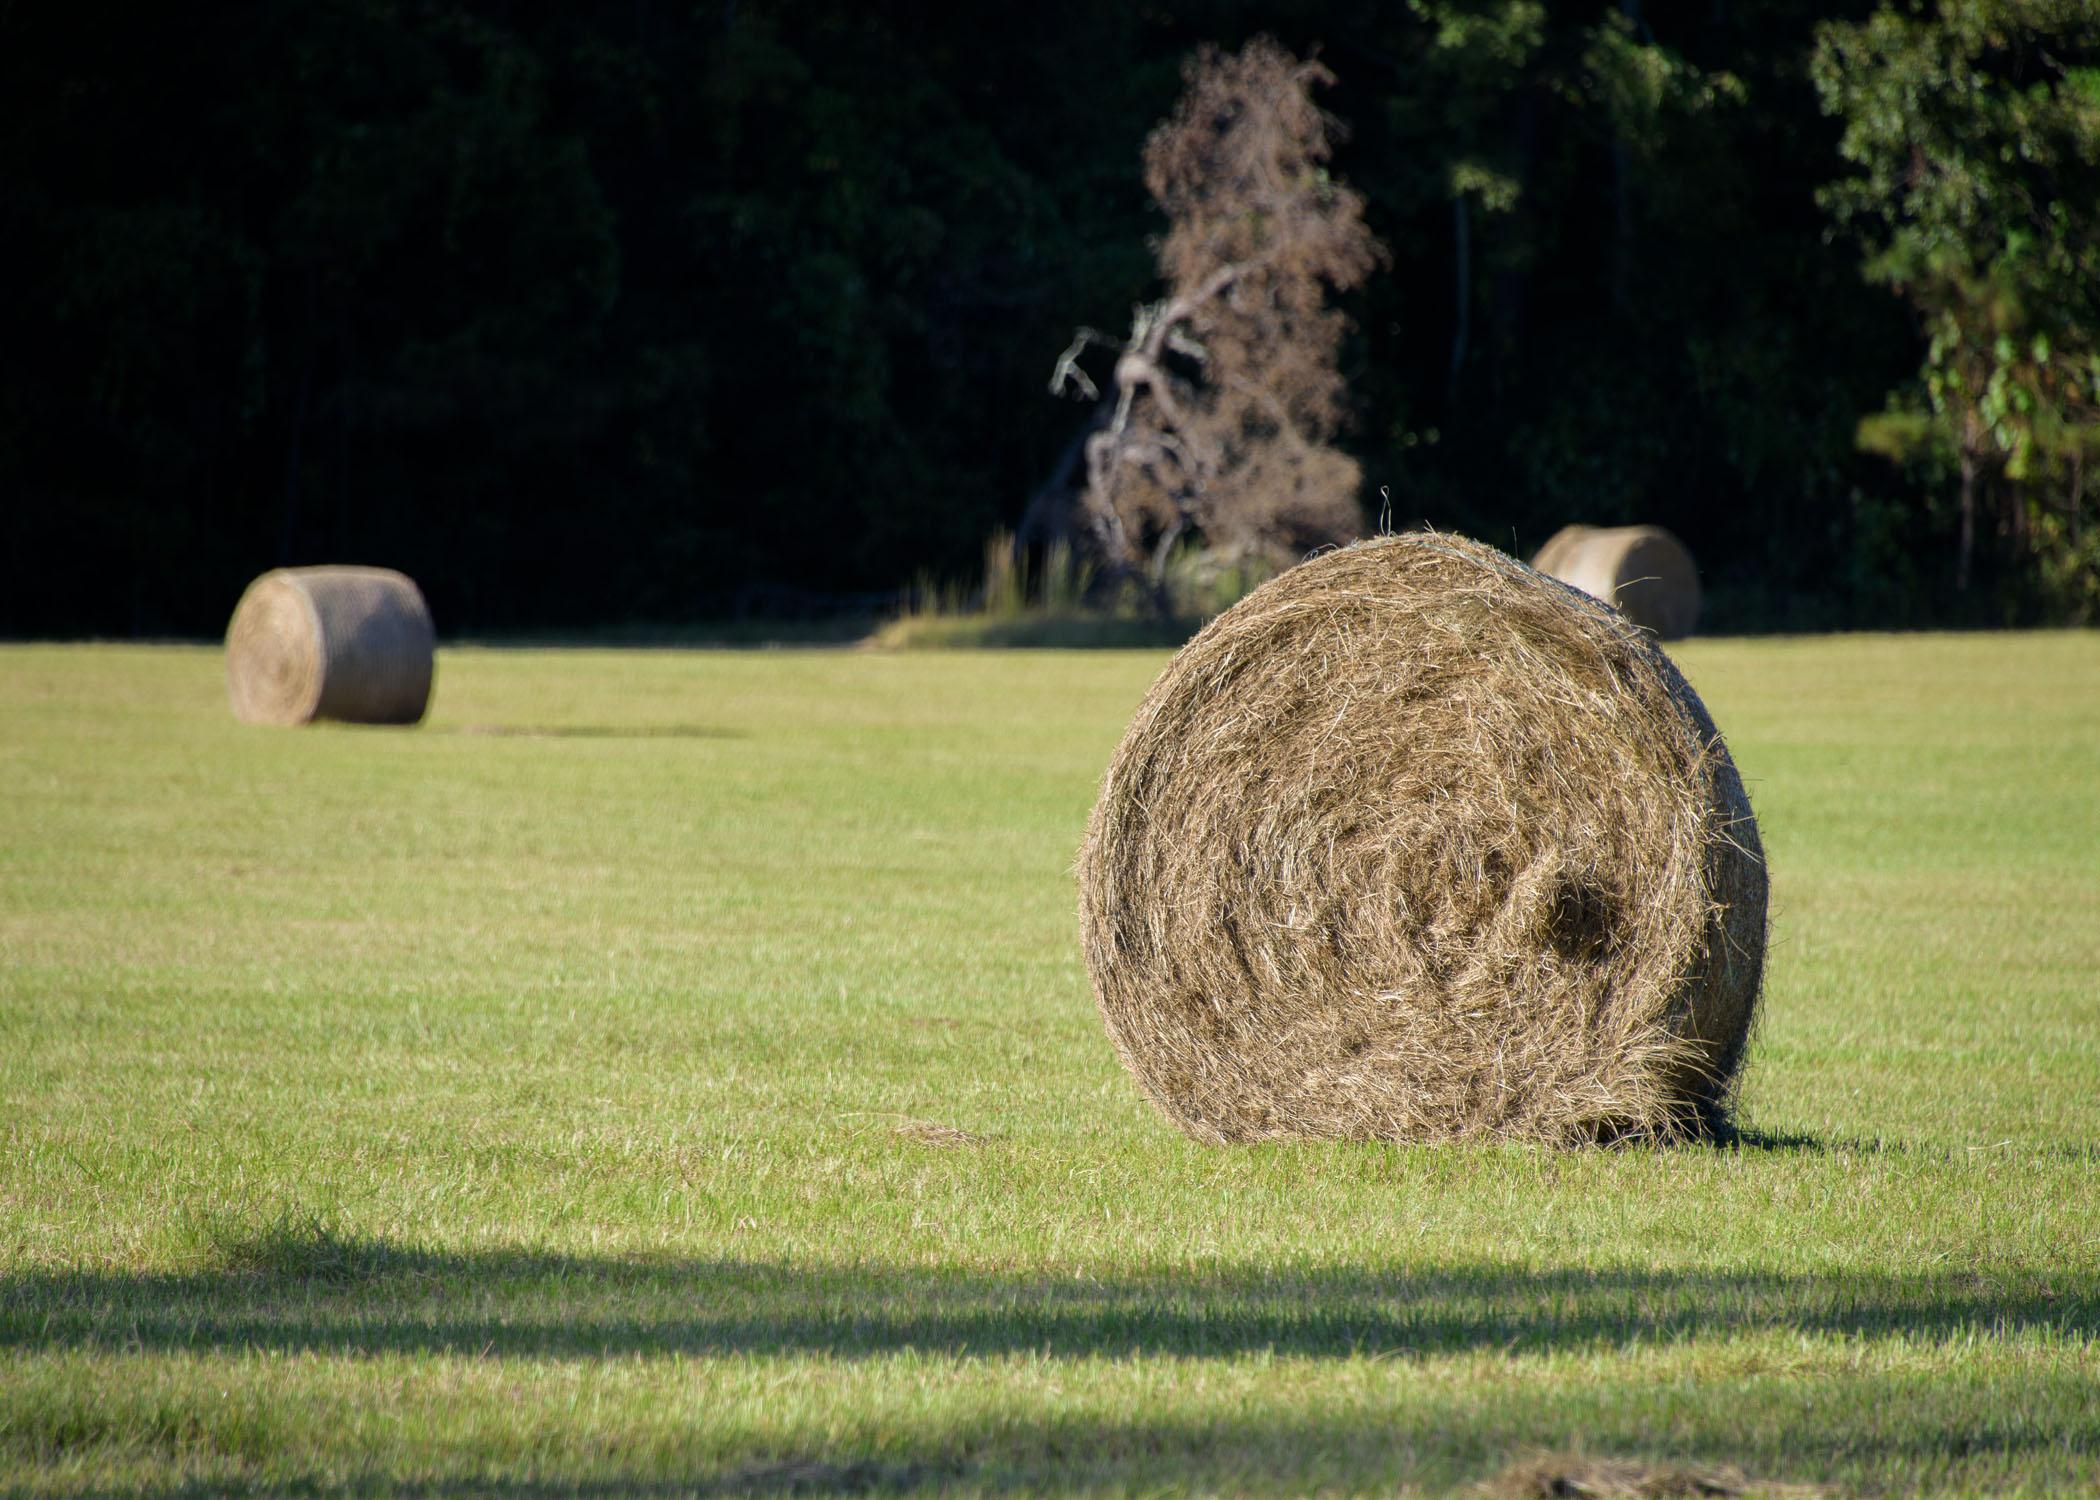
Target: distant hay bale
(1560, 548)
(1642, 571)
(354, 644)
(1415, 843)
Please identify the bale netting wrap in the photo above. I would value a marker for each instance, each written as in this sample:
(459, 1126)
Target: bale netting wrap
(1415, 843)
(354, 644)
(1642, 571)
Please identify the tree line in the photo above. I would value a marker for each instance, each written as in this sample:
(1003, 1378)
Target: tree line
(651, 313)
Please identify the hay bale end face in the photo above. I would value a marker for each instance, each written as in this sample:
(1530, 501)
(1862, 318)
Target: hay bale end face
(345, 643)
(1642, 571)
(1416, 843)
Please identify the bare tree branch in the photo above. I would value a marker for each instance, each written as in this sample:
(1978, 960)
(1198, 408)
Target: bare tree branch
(1068, 369)
(1234, 442)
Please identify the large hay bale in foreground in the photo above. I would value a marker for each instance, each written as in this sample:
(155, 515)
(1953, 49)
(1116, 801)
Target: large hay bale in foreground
(346, 643)
(1642, 571)
(1414, 842)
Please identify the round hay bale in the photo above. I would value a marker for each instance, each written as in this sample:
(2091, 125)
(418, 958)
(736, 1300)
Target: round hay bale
(1561, 546)
(1414, 843)
(354, 644)
(1641, 571)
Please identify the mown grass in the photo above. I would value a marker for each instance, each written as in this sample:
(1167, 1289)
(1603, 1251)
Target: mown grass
(673, 1072)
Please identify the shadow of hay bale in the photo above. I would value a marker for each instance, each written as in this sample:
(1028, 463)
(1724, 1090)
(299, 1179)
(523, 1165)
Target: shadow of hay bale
(601, 731)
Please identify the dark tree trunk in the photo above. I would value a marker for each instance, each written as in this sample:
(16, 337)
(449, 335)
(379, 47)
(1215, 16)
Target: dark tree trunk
(1512, 298)
(1622, 222)
(1965, 556)
(288, 535)
(295, 456)
(1047, 517)
(1462, 324)
(1622, 194)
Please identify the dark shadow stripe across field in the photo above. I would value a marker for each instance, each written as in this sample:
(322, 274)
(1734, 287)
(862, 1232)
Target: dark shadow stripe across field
(361, 1297)
(1858, 1429)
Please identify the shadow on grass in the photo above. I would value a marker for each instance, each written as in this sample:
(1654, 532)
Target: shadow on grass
(303, 1289)
(599, 731)
(295, 1286)
(1726, 1137)
(1242, 1462)
(1609, 1439)
(1782, 1142)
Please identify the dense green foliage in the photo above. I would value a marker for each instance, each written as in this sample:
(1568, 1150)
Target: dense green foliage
(650, 312)
(1976, 134)
(674, 1073)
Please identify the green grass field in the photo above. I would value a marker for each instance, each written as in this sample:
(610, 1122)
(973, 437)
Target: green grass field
(674, 1072)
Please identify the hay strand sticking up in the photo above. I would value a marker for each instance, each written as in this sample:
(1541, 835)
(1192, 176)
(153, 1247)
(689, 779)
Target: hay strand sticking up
(1416, 843)
(347, 643)
(1642, 571)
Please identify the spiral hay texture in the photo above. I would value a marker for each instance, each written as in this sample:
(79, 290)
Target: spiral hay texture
(354, 644)
(1415, 843)
(1642, 571)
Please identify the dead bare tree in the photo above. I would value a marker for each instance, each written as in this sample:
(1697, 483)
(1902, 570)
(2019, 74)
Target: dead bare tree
(1218, 415)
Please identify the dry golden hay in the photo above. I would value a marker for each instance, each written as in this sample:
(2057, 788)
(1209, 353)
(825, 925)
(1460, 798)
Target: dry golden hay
(354, 644)
(1414, 843)
(1642, 571)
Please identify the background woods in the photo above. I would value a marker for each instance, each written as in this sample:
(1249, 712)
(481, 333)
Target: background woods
(644, 312)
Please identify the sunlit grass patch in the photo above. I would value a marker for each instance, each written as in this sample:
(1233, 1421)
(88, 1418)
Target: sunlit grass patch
(606, 1109)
